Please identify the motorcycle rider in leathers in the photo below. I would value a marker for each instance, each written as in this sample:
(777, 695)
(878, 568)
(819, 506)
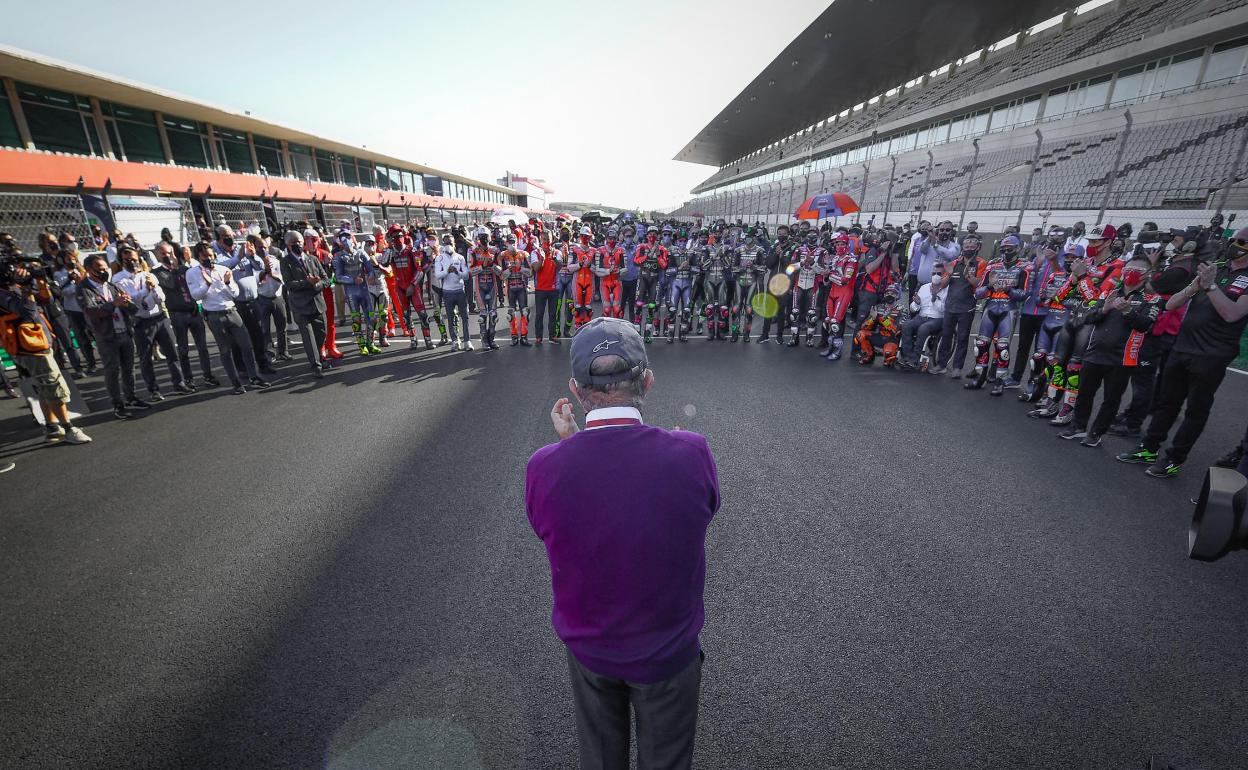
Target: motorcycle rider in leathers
(840, 281)
(487, 277)
(749, 265)
(652, 258)
(714, 271)
(808, 267)
(682, 263)
(1004, 286)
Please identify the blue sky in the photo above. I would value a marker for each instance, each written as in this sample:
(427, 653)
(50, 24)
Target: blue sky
(594, 97)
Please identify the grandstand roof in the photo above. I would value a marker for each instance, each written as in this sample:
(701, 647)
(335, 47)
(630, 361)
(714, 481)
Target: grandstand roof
(855, 50)
(48, 72)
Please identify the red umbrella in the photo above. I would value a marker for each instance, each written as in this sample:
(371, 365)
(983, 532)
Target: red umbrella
(826, 205)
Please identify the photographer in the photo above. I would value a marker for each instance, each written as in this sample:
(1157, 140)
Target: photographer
(926, 251)
(1208, 340)
(27, 339)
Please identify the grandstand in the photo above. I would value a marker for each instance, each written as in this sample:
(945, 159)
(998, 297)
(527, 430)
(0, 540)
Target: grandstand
(79, 147)
(1109, 111)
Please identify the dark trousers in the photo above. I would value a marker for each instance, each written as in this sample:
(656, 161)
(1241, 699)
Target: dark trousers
(156, 332)
(82, 333)
(273, 309)
(1144, 379)
(543, 310)
(628, 296)
(312, 331)
(914, 334)
(779, 319)
(117, 355)
(1190, 378)
(1091, 377)
(249, 313)
(194, 324)
(667, 718)
(954, 334)
(457, 307)
(1028, 329)
(64, 346)
(231, 336)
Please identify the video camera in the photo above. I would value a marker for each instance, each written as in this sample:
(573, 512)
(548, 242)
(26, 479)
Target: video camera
(1220, 521)
(10, 261)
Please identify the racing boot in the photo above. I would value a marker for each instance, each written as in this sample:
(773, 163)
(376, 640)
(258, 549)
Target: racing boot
(1065, 415)
(998, 387)
(1045, 408)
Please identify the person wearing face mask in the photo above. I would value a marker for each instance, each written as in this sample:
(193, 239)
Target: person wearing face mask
(270, 304)
(184, 313)
(213, 286)
(749, 265)
(961, 277)
(224, 248)
(351, 270)
(314, 246)
(931, 248)
(583, 253)
(248, 267)
(778, 258)
(110, 313)
(608, 262)
(1207, 343)
(1041, 264)
(630, 271)
(487, 279)
(1090, 279)
(564, 280)
(303, 277)
(151, 327)
(66, 276)
(1004, 286)
(1077, 237)
(652, 259)
(1120, 322)
(378, 290)
(1044, 284)
(428, 258)
(451, 270)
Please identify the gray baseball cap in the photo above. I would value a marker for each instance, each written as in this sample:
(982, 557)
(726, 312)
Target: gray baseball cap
(607, 337)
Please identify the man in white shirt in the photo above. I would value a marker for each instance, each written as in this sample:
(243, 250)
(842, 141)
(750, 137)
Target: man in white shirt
(213, 285)
(270, 305)
(451, 270)
(928, 306)
(151, 322)
(1076, 238)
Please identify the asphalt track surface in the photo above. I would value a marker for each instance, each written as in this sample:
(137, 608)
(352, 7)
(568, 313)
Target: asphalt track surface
(340, 574)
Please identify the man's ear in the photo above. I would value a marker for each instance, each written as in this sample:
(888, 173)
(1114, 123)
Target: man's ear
(647, 382)
(576, 396)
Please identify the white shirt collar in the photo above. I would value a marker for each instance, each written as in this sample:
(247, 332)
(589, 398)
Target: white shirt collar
(611, 413)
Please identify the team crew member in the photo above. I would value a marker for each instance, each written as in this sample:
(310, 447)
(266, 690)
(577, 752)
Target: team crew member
(1208, 341)
(487, 281)
(961, 279)
(517, 272)
(451, 269)
(546, 262)
(213, 285)
(303, 276)
(1121, 322)
(627, 580)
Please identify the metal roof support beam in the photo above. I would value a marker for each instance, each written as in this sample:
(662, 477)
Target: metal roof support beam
(19, 115)
(927, 181)
(164, 136)
(889, 200)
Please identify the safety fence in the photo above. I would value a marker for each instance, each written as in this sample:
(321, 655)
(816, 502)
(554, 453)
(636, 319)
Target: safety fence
(26, 215)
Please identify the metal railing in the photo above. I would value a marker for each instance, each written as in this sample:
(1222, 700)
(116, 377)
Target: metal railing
(26, 215)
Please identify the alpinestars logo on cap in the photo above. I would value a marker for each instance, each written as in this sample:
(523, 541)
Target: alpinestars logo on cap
(601, 346)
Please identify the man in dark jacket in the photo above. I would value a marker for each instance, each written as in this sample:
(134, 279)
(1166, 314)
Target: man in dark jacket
(110, 313)
(304, 279)
(1121, 323)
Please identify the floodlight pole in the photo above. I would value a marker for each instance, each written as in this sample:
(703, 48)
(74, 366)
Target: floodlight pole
(927, 181)
(1113, 175)
(1031, 175)
(888, 201)
(970, 180)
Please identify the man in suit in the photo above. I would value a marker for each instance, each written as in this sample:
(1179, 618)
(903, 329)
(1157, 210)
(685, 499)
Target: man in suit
(110, 314)
(304, 279)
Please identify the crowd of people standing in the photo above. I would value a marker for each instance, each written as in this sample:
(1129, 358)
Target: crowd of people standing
(1062, 315)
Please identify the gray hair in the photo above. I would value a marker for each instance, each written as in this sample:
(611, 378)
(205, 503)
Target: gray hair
(630, 392)
(292, 236)
(224, 230)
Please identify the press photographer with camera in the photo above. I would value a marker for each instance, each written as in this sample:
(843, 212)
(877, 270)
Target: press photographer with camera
(27, 338)
(1207, 343)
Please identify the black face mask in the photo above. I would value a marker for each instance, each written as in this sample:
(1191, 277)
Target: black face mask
(296, 248)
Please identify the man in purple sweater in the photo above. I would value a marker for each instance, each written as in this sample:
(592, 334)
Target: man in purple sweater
(623, 508)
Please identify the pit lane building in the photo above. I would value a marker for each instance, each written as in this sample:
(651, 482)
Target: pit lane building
(1007, 113)
(78, 146)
